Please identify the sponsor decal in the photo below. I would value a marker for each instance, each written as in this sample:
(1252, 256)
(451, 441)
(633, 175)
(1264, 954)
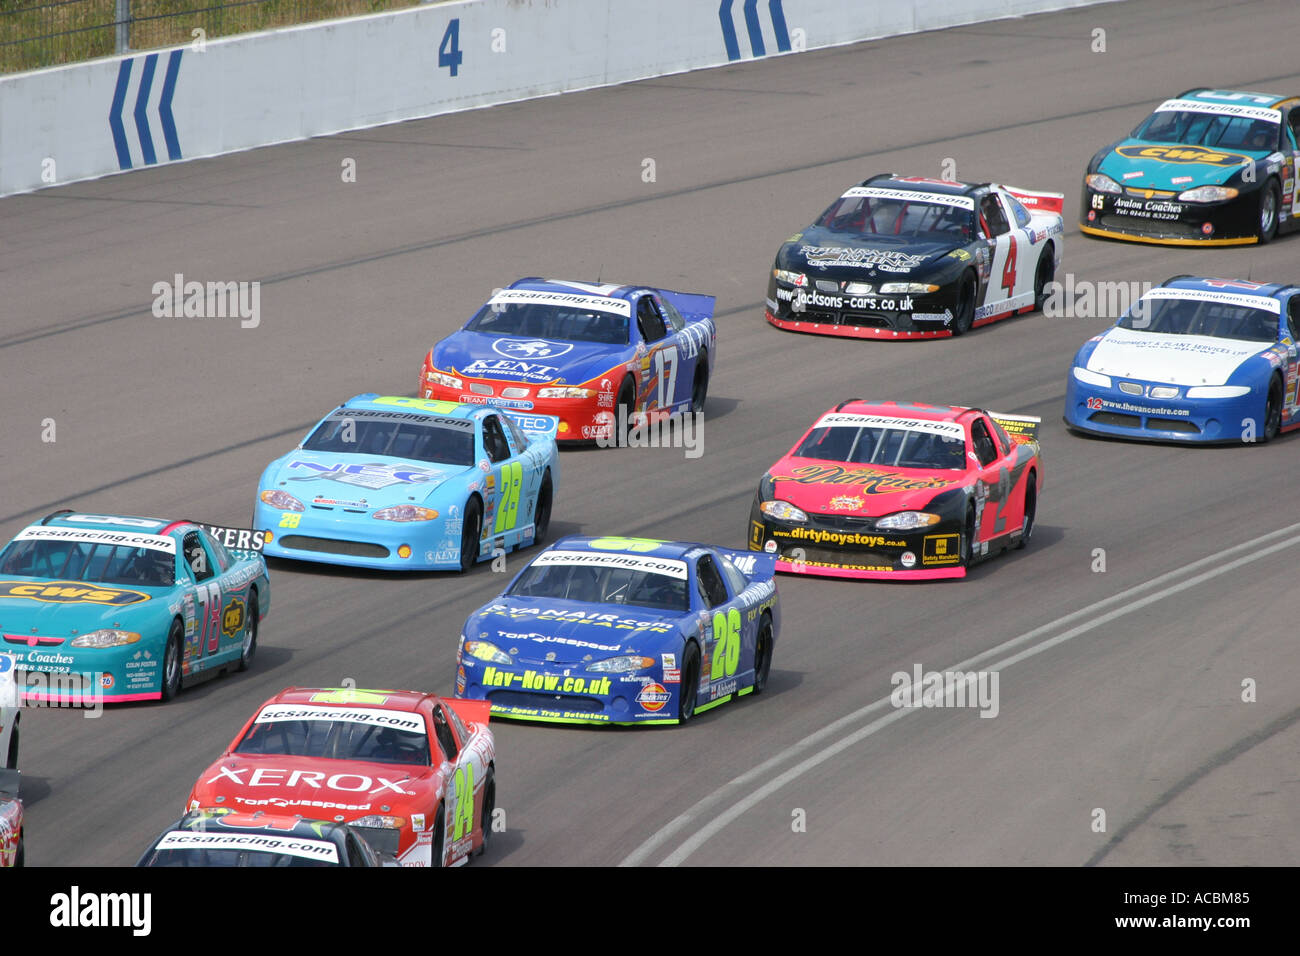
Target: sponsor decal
(870, 481)
(1265, 302)
(910, 195)
(817, 536)
(950, 429)
(232, 618)
(530, 348)
(887, 260)
(348, 695)
(397, 720)
(530, 296)
(653, 697)
(594, 618)
(243, 539)
(375, 475)
(71, 592)
(803, 299)
(130, 539)
(317, 779)
(847, 503)
(1148, 208)
(755, 534)
(547, 683)
(511, 369)
(322, 850)
(340, 503)
(672, 675)
(770, 546)
(1219, 109)
(938, 549)
(632, 562)
(669, 660)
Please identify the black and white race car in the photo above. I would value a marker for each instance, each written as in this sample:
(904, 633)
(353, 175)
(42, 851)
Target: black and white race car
(905, 258)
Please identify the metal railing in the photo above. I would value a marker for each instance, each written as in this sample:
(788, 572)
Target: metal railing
(37, 33)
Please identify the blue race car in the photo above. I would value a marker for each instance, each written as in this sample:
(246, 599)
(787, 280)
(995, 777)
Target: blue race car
(599, 357)
(623, 631)
(111, 608)
(411, 484)
(1196, 360)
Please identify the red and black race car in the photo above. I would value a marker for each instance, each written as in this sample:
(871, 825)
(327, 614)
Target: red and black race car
(412, 773)
(899, 491)
(907, 258)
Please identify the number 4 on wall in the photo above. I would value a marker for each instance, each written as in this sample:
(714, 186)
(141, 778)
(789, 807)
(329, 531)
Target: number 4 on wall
(449, 54)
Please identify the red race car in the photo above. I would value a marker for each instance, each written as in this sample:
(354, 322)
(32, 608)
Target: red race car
(893, 490)
(412, 773)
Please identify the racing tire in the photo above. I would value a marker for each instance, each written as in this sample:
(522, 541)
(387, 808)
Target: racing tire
(964, 320)
(968, 554)
(471, 530)
(1043, 276)
(762, 654)
(542, 512)
(250, 634)
(1272, 412)
(489, 805)
(171, 664)
(20, 857)
(1031, 512)
(690, 687)
(624, 409)
(1270, 201)
(700, 386)
(439, 829)
(11, 758)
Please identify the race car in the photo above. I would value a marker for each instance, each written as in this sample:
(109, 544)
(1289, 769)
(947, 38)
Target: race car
(109, 608)
(1195, 360)
(226, 837)
(623, 631)
(900, 491)
(413, 774)
(1209, 167)
(11, 820)
(600, 357)
(410, 484)
(912, 258)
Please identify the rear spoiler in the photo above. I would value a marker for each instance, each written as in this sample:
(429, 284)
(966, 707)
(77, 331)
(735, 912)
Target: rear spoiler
(1021, 428)
(692, 307)
(534, 426)
(755, 565)
(470, 711)
(1038, 202)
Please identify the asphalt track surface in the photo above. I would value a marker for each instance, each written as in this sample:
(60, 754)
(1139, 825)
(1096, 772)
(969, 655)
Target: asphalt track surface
(1130, 700)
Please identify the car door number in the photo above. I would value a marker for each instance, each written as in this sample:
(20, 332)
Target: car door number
(512, 480)
(726, 644)
(666, 362)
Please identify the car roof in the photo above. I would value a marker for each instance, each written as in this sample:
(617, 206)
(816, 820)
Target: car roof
(1234, 97)
(916, 410)
(94, 521)
(1265, 290)
(924, 185)
(404, 700)
(663, 549)
(608, 290)
(402, 404)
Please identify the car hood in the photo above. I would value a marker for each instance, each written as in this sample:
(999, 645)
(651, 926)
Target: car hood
(829, 487)
(571, 632)
(357, 482)
(822, 253)
(39, 606)
(1175, 359)
(1141, 164)
(308, 785)
(532, 361)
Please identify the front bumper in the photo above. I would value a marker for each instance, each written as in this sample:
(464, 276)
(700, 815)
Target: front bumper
(567, 694)
(581, 419)
(360, 541)
(900, 316)
(1111, 412)
(84, 676)
(1162, 219)
(850, 547)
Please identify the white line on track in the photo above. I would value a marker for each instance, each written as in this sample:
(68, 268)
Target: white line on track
(1128, 601)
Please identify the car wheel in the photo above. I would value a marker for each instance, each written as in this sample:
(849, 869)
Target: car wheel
(1269, 201)
(171, 666)
(624, 409)
(542, 512)
(471, 531)
(439, 828)
(11, 759)
(1272, 412)
(489, 805)
(20, 857)
(762, 654)
(1031, 511)
(690, 683)
(964, 320)
(968, 552)
(700, 387)
(250, 633)
(1043, 277)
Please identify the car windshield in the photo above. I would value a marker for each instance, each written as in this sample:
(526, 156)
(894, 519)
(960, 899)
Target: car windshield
(1208, 129)
(88, 561)
(337, 740)
(597, 585)
(208, 857)
(1218, 320)
(551, 322)
(873, 216)
(449, 444)
(893, 447)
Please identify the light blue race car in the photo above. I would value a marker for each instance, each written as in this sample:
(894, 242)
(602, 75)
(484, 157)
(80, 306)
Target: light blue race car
(110, 608)
(411, 484)
(1195, 360)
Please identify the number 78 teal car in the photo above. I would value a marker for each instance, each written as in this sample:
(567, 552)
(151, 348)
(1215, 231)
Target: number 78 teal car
(412, 484)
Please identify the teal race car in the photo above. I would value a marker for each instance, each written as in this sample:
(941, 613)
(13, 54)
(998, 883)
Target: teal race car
(105, 608)
(1209, 167)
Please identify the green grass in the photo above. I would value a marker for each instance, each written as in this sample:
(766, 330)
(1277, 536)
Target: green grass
(37, 33)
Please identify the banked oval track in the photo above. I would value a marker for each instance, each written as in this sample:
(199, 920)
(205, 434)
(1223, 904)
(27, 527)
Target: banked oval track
(1119, 690)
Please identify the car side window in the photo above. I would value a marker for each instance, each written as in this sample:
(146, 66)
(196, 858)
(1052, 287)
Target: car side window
(709, 582)
(985, 449)
(992, 217)
(356, 855)
(1293, 318)
(446, 739)
(494, 439)
(517, 433)
(733, 575)
(196, 558)
(649, 320)
(671, 314)
(1003, 439)
(1019, 212)
(1293, 131)
(218, 550)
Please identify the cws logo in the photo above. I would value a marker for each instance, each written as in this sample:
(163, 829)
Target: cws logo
(1183, 154)
(70, 592)
(754, 27)
(232, 618)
